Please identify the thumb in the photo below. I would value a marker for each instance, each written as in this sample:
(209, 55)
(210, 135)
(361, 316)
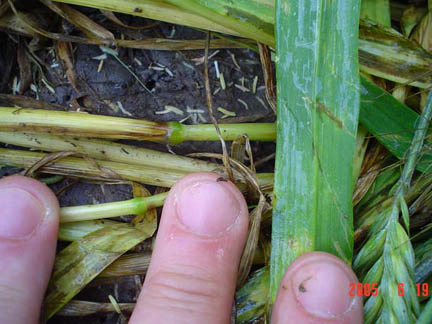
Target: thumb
(28, 233)
(315, 289)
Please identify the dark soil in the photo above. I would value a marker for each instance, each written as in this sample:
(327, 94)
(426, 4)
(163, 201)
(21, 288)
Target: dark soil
(114, 84)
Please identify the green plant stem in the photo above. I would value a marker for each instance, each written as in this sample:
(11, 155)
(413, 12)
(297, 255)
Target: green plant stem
(411, 160)
(113, 209)
(392, 122)
(387, 257)
(51, 180)
(414, 151)
(87, 125)
(229, 132)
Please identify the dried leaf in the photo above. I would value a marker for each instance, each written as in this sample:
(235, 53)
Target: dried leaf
(410, 18)
(238, 148)
(85, 308)
(146, 222)
(75, 230)
(64, 52)
(86, 25)
(87, 257)
(83, 260)
(211, 112)
(24, 68)
(128, 265)
(269, 78)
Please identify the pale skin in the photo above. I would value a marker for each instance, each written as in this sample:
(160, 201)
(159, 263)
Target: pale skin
(192, 275)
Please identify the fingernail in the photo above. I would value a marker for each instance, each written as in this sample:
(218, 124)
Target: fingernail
(323, 289)
(207, 207)
(20, 213)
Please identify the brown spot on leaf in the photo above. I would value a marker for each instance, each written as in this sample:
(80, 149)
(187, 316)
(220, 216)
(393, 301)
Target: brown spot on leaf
(324, 109)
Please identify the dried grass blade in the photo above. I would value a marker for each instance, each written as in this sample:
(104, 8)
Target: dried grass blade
(128, 265)
(83, 260)
(108, 151)
(75, 230)
(78, 167)
(85, 308)
(85, 24)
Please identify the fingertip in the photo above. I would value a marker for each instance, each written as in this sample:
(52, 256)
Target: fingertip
(316, 288)
(207, 204)
(193, 270)
(28, 235)
(36, 188)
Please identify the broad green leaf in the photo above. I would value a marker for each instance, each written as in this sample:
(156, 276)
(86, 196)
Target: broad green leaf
(242, 16)
(318, 103)
(376, 10)
(391, 122)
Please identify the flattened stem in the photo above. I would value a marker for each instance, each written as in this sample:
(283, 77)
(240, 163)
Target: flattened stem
(318, 103)
(81, 124)
(97, 126)
(108, 151)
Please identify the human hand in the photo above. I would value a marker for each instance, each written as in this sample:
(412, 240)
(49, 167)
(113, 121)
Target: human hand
(192, 275)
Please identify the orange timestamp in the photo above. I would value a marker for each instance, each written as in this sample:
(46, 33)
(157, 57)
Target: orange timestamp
(371, 289)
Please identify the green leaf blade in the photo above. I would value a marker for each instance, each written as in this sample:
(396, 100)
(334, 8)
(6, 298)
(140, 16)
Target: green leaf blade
(318, 102)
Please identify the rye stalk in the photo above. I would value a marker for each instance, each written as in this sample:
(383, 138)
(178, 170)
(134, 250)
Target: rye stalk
(387, 257)
(99, 171)
(107, 151)
(87, 125)
(388, 119)
(108, 171)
